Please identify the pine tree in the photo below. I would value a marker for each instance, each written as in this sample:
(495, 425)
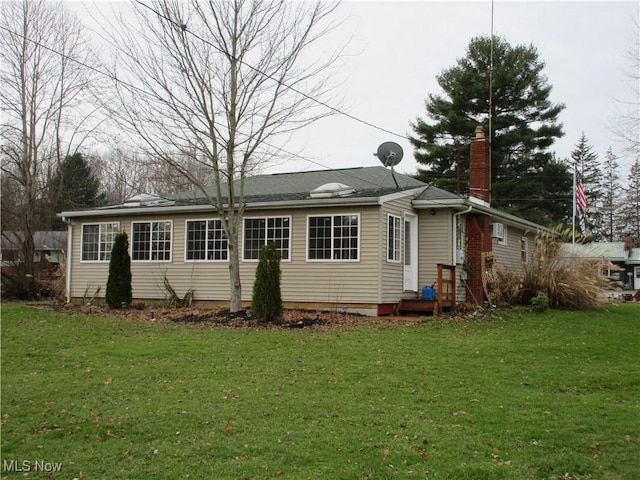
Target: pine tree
(266, 304)
(611, 224)
(74, 186)
(526, 180)
(588, 168)
(118, 292)
(631, 203)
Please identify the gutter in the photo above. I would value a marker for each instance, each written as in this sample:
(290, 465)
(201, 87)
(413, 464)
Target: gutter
(69, 256)
(296, 204)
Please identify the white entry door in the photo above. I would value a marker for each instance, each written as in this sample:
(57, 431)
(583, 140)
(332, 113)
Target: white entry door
(410, 253)
(636, 278)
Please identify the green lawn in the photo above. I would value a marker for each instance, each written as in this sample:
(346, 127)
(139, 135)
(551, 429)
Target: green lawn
(520, 396)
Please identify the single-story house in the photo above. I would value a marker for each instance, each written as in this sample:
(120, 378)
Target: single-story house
(356, 239)
(50, 251)
(620, 261)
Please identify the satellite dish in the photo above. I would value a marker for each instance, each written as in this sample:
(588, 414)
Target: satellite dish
(389, 153)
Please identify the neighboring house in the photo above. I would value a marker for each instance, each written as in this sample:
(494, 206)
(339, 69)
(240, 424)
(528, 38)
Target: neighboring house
(50, 250)
(358, 239)
(620, 261)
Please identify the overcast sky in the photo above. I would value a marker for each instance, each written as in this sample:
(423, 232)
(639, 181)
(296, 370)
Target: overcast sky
(396, 49)
(399, 48)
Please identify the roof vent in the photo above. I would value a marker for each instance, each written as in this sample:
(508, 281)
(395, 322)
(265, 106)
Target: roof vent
(332, 190)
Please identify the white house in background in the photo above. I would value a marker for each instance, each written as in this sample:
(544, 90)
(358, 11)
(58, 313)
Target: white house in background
(357, 239)
(620, 261)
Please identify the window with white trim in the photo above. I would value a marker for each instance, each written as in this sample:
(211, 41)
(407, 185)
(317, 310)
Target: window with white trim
(334, 237)
(206, 240)
(260, 231)
(524, 249)
(151, 241)
(394, 239)
(97, 241)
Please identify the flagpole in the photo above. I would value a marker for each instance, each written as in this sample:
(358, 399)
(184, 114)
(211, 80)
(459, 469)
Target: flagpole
(573, 230)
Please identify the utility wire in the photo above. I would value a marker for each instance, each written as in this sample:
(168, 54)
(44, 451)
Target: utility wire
(269, 76)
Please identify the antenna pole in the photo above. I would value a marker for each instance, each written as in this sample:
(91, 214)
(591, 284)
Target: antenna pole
(393, 175)
(491, 95)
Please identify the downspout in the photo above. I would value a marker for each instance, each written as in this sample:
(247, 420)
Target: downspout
(69, 256)
(455, 231)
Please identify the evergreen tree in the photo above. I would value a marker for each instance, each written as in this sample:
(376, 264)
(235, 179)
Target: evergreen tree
(266, 304)
(119, 282)
(631, 203)
(586, 163)
(526, 180)
(74, 186)
(611, 224)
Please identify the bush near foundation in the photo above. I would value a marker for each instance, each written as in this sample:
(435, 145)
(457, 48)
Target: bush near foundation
(567, 282)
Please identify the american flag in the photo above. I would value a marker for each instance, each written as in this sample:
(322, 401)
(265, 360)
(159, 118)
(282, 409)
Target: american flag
(581, 198)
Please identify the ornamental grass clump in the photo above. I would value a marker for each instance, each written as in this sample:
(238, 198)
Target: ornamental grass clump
(567, 282)
(266, 304)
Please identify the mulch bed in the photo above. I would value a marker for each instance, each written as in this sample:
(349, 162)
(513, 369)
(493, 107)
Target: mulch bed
(209, 317)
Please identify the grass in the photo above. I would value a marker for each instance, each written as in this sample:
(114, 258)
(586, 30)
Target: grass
(521, 396)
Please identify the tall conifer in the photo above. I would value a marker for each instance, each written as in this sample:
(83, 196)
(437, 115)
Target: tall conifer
(118, 292)
(267, 298)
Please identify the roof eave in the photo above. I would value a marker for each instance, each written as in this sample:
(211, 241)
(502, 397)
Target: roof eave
(281, 204)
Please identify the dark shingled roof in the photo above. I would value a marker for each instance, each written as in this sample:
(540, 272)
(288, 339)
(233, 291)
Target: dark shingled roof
(367, 181)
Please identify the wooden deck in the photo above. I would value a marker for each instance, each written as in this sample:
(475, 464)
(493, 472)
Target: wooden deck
(445, 294)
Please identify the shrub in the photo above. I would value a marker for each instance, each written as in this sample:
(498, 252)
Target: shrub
(266, 304)
(540, 302)
(566, 282)
(118, 292)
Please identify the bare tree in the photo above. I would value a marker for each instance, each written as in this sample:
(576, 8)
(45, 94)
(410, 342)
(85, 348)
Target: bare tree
(212, 82)
(626, 125)
(43, 58)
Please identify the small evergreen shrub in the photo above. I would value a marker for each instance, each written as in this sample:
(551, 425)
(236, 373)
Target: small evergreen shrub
(540, 302)
(266, 304)
(118, 292)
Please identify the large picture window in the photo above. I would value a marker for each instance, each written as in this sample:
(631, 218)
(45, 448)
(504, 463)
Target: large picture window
(335, 237)
(206, 240)
(97, 241)
(260, 231)
(394, 240)
(151, 241)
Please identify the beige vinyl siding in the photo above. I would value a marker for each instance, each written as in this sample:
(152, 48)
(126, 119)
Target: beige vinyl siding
(334, 282)
(434, 244)
(508, 255)
(392, 273)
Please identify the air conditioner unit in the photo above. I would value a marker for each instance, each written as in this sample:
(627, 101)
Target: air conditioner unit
(497, 231)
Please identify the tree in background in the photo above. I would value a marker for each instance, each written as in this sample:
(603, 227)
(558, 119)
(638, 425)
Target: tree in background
(627, 122)
(526, 179)
(213, 83)
(266, 304)
(587, 165)
(46, 81)
(118, 292)
(630, 211)
(74, 186)
(611, 229)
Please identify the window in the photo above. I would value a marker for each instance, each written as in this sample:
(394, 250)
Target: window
(97, 241)
(151, 241)
(524, 249)
(333, 237)
(206, 240)
(393, 238)
(260, 231)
